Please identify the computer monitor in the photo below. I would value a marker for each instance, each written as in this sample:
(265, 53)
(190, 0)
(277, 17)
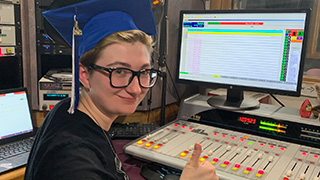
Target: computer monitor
(243, 50)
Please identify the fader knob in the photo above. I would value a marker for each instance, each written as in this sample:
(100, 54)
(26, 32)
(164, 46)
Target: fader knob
(249, 153)
(270, 158)
(289, 173)
(302, 176)
(315, 178)
(228, 148)
(210, 152)
(259, 156)
(238, 150)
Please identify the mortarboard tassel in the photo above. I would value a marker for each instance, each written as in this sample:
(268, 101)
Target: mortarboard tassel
(75, 67)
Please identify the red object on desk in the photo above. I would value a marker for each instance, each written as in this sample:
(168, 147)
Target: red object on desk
(305, 110)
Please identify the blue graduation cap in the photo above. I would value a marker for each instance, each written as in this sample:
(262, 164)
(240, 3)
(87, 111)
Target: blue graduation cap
(83, 25)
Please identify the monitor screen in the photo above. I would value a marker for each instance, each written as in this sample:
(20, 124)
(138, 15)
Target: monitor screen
(254, 50)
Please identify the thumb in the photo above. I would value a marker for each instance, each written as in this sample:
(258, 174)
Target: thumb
(194, 160)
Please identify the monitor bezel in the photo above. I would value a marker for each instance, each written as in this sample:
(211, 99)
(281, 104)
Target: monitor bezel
(247, 88)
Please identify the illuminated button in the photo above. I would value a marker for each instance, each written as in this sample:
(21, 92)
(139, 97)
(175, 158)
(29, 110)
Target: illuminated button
(285, 178)
(214, 134)
(232, 138)
(51, 106)
(190, 128)
(159, 144)
(183, 132)
(156, 147)
(186, 152)
(223, 165)
(237, 165)
(258, 175)
(271, 146)
(315, 156)
(175, 125)
(182, 126)
(215, 160)
(139, 142)
(175, 130)
(261, 144)
(226, 162)
(148, 145)
(223, 136)
(202, 159)
(151, 142)
(249, 169)
(205, 157)
(303, 153)
(208, 138)
(246, 172)
(143, 140)
(246, 137)
(241, 140)
(190, 156)
(168, 128)
(234, 168)
(182, 154)
(260, 172)
(9, 50)
(212, 162)
(282, 149)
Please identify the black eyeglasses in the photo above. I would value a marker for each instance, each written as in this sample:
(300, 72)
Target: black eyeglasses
(122, 77)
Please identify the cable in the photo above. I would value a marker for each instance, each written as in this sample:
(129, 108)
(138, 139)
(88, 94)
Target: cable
(149, 104)
(204, 4)
(277, 100)
(174, 85)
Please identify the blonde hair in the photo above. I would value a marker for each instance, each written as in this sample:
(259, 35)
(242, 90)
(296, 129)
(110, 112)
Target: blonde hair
(131, 36)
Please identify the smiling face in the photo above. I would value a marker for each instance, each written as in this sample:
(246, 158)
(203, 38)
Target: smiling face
(118, 101)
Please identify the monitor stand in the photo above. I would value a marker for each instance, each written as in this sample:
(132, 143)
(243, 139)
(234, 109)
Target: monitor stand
(233, 101)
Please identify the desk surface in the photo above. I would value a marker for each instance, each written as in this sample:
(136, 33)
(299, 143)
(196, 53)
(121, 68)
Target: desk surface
(17, 174)
(131, 166)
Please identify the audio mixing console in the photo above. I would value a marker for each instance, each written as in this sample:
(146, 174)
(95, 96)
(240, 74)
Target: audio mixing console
(265, 144)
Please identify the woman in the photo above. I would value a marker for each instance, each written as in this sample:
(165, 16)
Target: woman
(115, 75)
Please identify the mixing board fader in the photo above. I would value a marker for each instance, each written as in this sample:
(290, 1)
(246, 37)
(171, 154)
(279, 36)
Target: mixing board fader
(269, 143)
(235, 155)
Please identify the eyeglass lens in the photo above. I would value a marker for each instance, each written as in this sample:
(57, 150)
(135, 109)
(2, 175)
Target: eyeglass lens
(123, 77)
